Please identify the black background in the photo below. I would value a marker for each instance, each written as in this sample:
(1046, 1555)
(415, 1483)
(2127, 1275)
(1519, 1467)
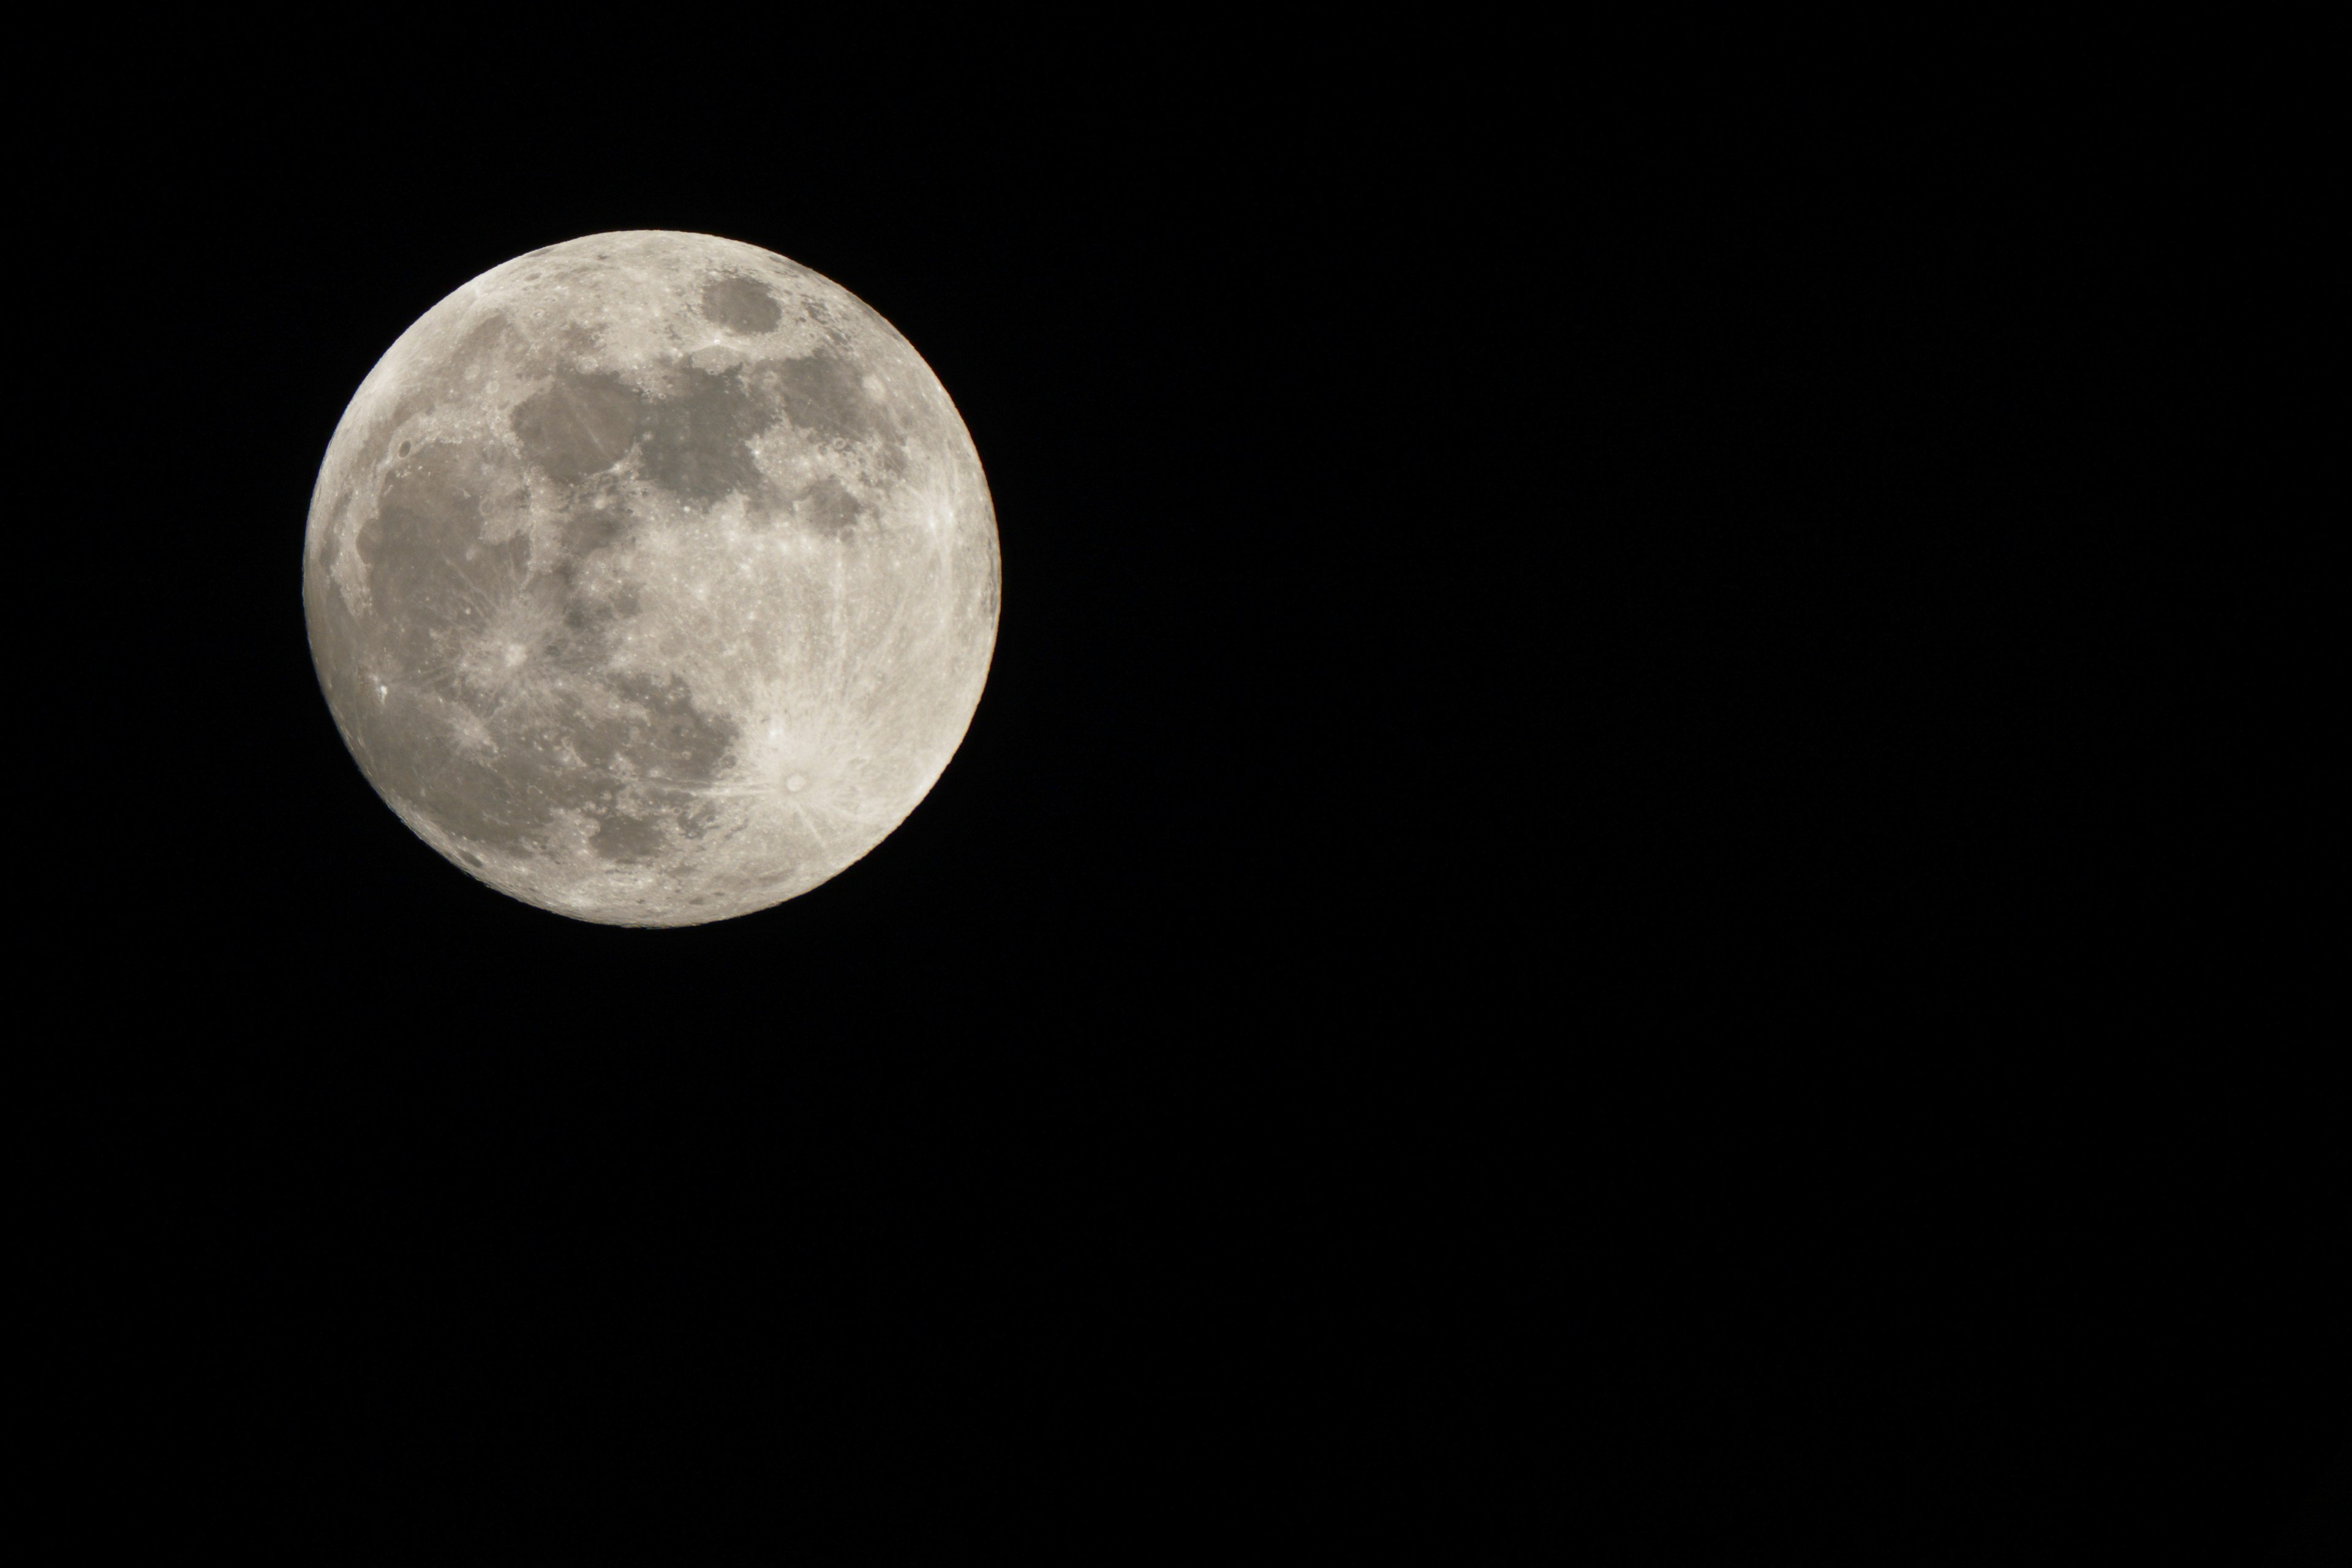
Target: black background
(1621, 886)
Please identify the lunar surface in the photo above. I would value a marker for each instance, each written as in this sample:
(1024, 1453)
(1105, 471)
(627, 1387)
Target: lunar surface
(651, 578)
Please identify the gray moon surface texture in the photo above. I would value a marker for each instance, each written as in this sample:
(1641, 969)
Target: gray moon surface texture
(651, 578)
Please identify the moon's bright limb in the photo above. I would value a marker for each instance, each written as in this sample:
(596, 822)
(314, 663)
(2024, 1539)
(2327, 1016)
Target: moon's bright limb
(651, 578)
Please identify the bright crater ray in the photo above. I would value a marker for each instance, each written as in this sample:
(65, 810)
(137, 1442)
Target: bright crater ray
(651, 578)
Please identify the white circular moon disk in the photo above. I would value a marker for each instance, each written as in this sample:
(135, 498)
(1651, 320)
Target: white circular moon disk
(651, 578)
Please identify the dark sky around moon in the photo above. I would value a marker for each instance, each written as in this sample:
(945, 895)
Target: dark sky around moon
(1608, 866)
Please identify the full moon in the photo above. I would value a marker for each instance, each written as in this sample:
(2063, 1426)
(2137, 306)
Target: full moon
(651, 578)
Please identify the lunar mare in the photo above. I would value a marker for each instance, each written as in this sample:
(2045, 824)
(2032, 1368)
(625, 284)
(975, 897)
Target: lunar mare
(651, 578)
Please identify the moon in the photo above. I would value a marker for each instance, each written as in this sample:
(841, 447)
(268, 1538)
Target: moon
(651, 578)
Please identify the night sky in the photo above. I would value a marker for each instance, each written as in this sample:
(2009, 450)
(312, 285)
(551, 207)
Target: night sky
(1621, 894)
